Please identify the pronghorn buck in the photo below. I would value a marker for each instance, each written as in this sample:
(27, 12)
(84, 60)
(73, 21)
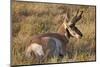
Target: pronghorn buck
(54, 44)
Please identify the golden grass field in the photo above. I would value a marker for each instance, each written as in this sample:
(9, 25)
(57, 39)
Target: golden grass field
(30, 19)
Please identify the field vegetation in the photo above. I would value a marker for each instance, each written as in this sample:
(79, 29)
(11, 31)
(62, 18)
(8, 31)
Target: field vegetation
(30, 19)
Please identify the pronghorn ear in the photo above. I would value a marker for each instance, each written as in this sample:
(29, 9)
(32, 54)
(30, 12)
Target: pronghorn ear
(65, 23)
(66, 19)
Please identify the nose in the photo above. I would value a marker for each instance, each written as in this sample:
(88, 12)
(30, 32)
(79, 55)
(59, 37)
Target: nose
(79, 37)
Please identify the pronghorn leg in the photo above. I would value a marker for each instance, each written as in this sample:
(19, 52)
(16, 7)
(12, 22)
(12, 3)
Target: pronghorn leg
(50, 49)
(39, 59)
(58, 49)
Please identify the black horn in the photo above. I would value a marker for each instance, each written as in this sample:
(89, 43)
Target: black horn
(76, 18)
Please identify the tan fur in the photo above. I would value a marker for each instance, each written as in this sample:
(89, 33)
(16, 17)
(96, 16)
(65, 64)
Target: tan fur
(49, 41)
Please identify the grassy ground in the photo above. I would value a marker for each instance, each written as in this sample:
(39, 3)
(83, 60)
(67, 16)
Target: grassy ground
(29, 19)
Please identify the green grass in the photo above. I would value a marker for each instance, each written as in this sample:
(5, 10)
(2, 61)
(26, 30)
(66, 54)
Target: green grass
(30, 19)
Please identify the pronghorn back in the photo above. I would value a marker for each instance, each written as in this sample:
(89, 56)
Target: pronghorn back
(39, 38)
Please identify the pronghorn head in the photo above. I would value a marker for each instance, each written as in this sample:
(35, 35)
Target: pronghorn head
(70, 27)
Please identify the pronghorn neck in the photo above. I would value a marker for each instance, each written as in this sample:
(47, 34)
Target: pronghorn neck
(63, 31)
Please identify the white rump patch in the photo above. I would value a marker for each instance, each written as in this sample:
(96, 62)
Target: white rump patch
(37, 49)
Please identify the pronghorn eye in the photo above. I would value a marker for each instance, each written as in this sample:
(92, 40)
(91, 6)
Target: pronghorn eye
(74, 33)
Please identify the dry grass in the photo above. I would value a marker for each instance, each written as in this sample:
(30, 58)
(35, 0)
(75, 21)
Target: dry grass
(29, 19)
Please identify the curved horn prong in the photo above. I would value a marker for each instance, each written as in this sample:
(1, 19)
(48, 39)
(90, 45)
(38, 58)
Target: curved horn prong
(76, 18)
